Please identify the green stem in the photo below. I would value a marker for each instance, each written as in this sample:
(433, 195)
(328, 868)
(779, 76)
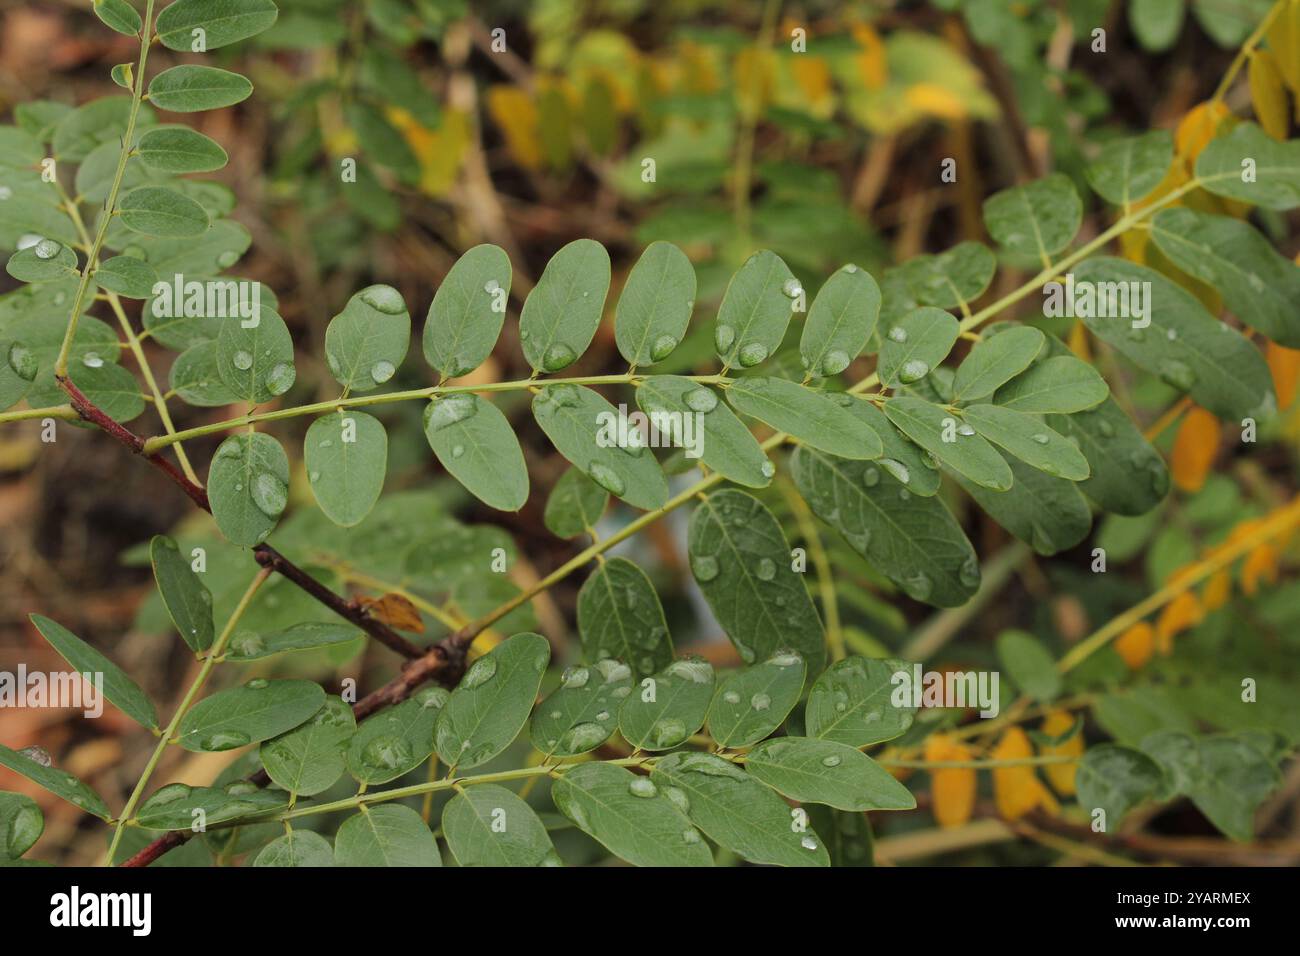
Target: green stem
(434, 391)
(110, 204)
(166, 737)
(1246, 50)
(975, 764)
(65, 412)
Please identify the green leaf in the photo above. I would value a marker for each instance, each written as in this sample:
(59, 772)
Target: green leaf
(386, 835)
(310, 758)
(381, 140)
(573, 418)
(721, 439)
(158, 211)
(1226, 776)
(120, 690)
(914, 346)
(580, 714)
(755, 310)
(561, 314)
(179, 149)
(487, 825)
(901, 458)
(737, 811)
(186, 597)
(824, 771)
(1061, 383)
(346, 454)
(741, 560)
(950, 278)
(254, 645)
(1187, 347)
(840, 322)
(852, 702)
(217, 249)
(248, 487)
(1115, 779)
(1036, 220)
(1258, 285)
(395, 742)
(119, 15)
(619, 616)
(366, 342)
(1128, 476)
(628, 815)
(475, 443)
(296, 848)
(996, 359)
(189, 89)
(1029, 665)
(1223, 165)
(173, 807)
(127, 276)
(810, 416)
(489, 707)
(847, 836)
(112, 388)
(18, 365)
(256, 363)
(1156, 24)
(668, 707)
(1229, 26)
(57, 782)
(42, 261)
(92, 124)
(655, 305)
(21, 825)
(1026, 437)
(467, 311)
(911, 539)
(1128, 169)
(967, 453)
(248, 714)
(753, 702)
(575, 505)
(1048, 513)
(195, 379)
(223, 22)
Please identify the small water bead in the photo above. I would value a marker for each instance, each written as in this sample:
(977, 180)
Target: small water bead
(760, 702)
(694, 669)
(457, 451)
(607, 478)
(850, 268)
(724, 337)
(227, 258)
(785, 659)
(904, 494)
(662, 347)
(557, 357)
(612, 670)
(897, 469)
(386, 752)
(384, 298)
(766, 569)
(247, 644)
(834, 362)
(23, 362)
(480, 673)
(224, 740)
(270, 494)
(701, 399)
(432, 698)
(1105, 427)
(258, 683)
(5, 193)
(39, 755)
(705, 567)
(448, 411)
(913, 370)
(491, 285)
(832, 761)
(1040, 438)
(678, 798)
(898, 334)
(1178, 374)
(27, 240)
(281, 378)
(768, 469)
(752, 354)
(871, 476)
(918, 585)
(583, 737)
(382, 371)
(242, 360)
(808, 843)
(642, 787)
(691, 836)
(47, 249)
(575, 678)
(92, 360)
(731, 697)
(668, 732)
(792, 288)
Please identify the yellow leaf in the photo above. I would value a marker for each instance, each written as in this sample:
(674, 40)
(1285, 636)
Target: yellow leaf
(395, 611)
(1180, 614)
(1260, 566)
(1217, 590)
(1198, 127)
(813, 77)
(1136, 644)
(1194, 449)
(1284, 363)
(753, 80)
(1267, 94)
(1017, 790)
(515, 112)
(935, 100)
(953, 788)
(1284, 41)
(1078, 341)
(873, 65)
(440, 151)
(1061, 775)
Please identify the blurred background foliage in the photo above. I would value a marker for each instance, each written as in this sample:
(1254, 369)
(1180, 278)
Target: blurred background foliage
(540, 134)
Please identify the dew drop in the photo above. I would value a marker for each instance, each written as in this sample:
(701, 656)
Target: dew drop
(40, 755)
(834, 362)
(752, 354)
(23, 361)
(607, 478)
(382, 371)
(668, 732)
(808, 843)
(701, 399)
(832, 761)
(383, 298)
(871, 476)
(1040, 438)
(224, 740)
(913, 370)
(92, 360)
(898, 334)
(704, 567)
(227, 258)
(386, 752)
(724, 337)
(662, 347)
(480, 673)
(766, 569)
(557, 357)
(642, 787)
(575, 677)
(760, 702)
(897, 469)
(448, 411)
(281, 378)
(269, 493)
(242, 360)
(731, 697)
(47, 249)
